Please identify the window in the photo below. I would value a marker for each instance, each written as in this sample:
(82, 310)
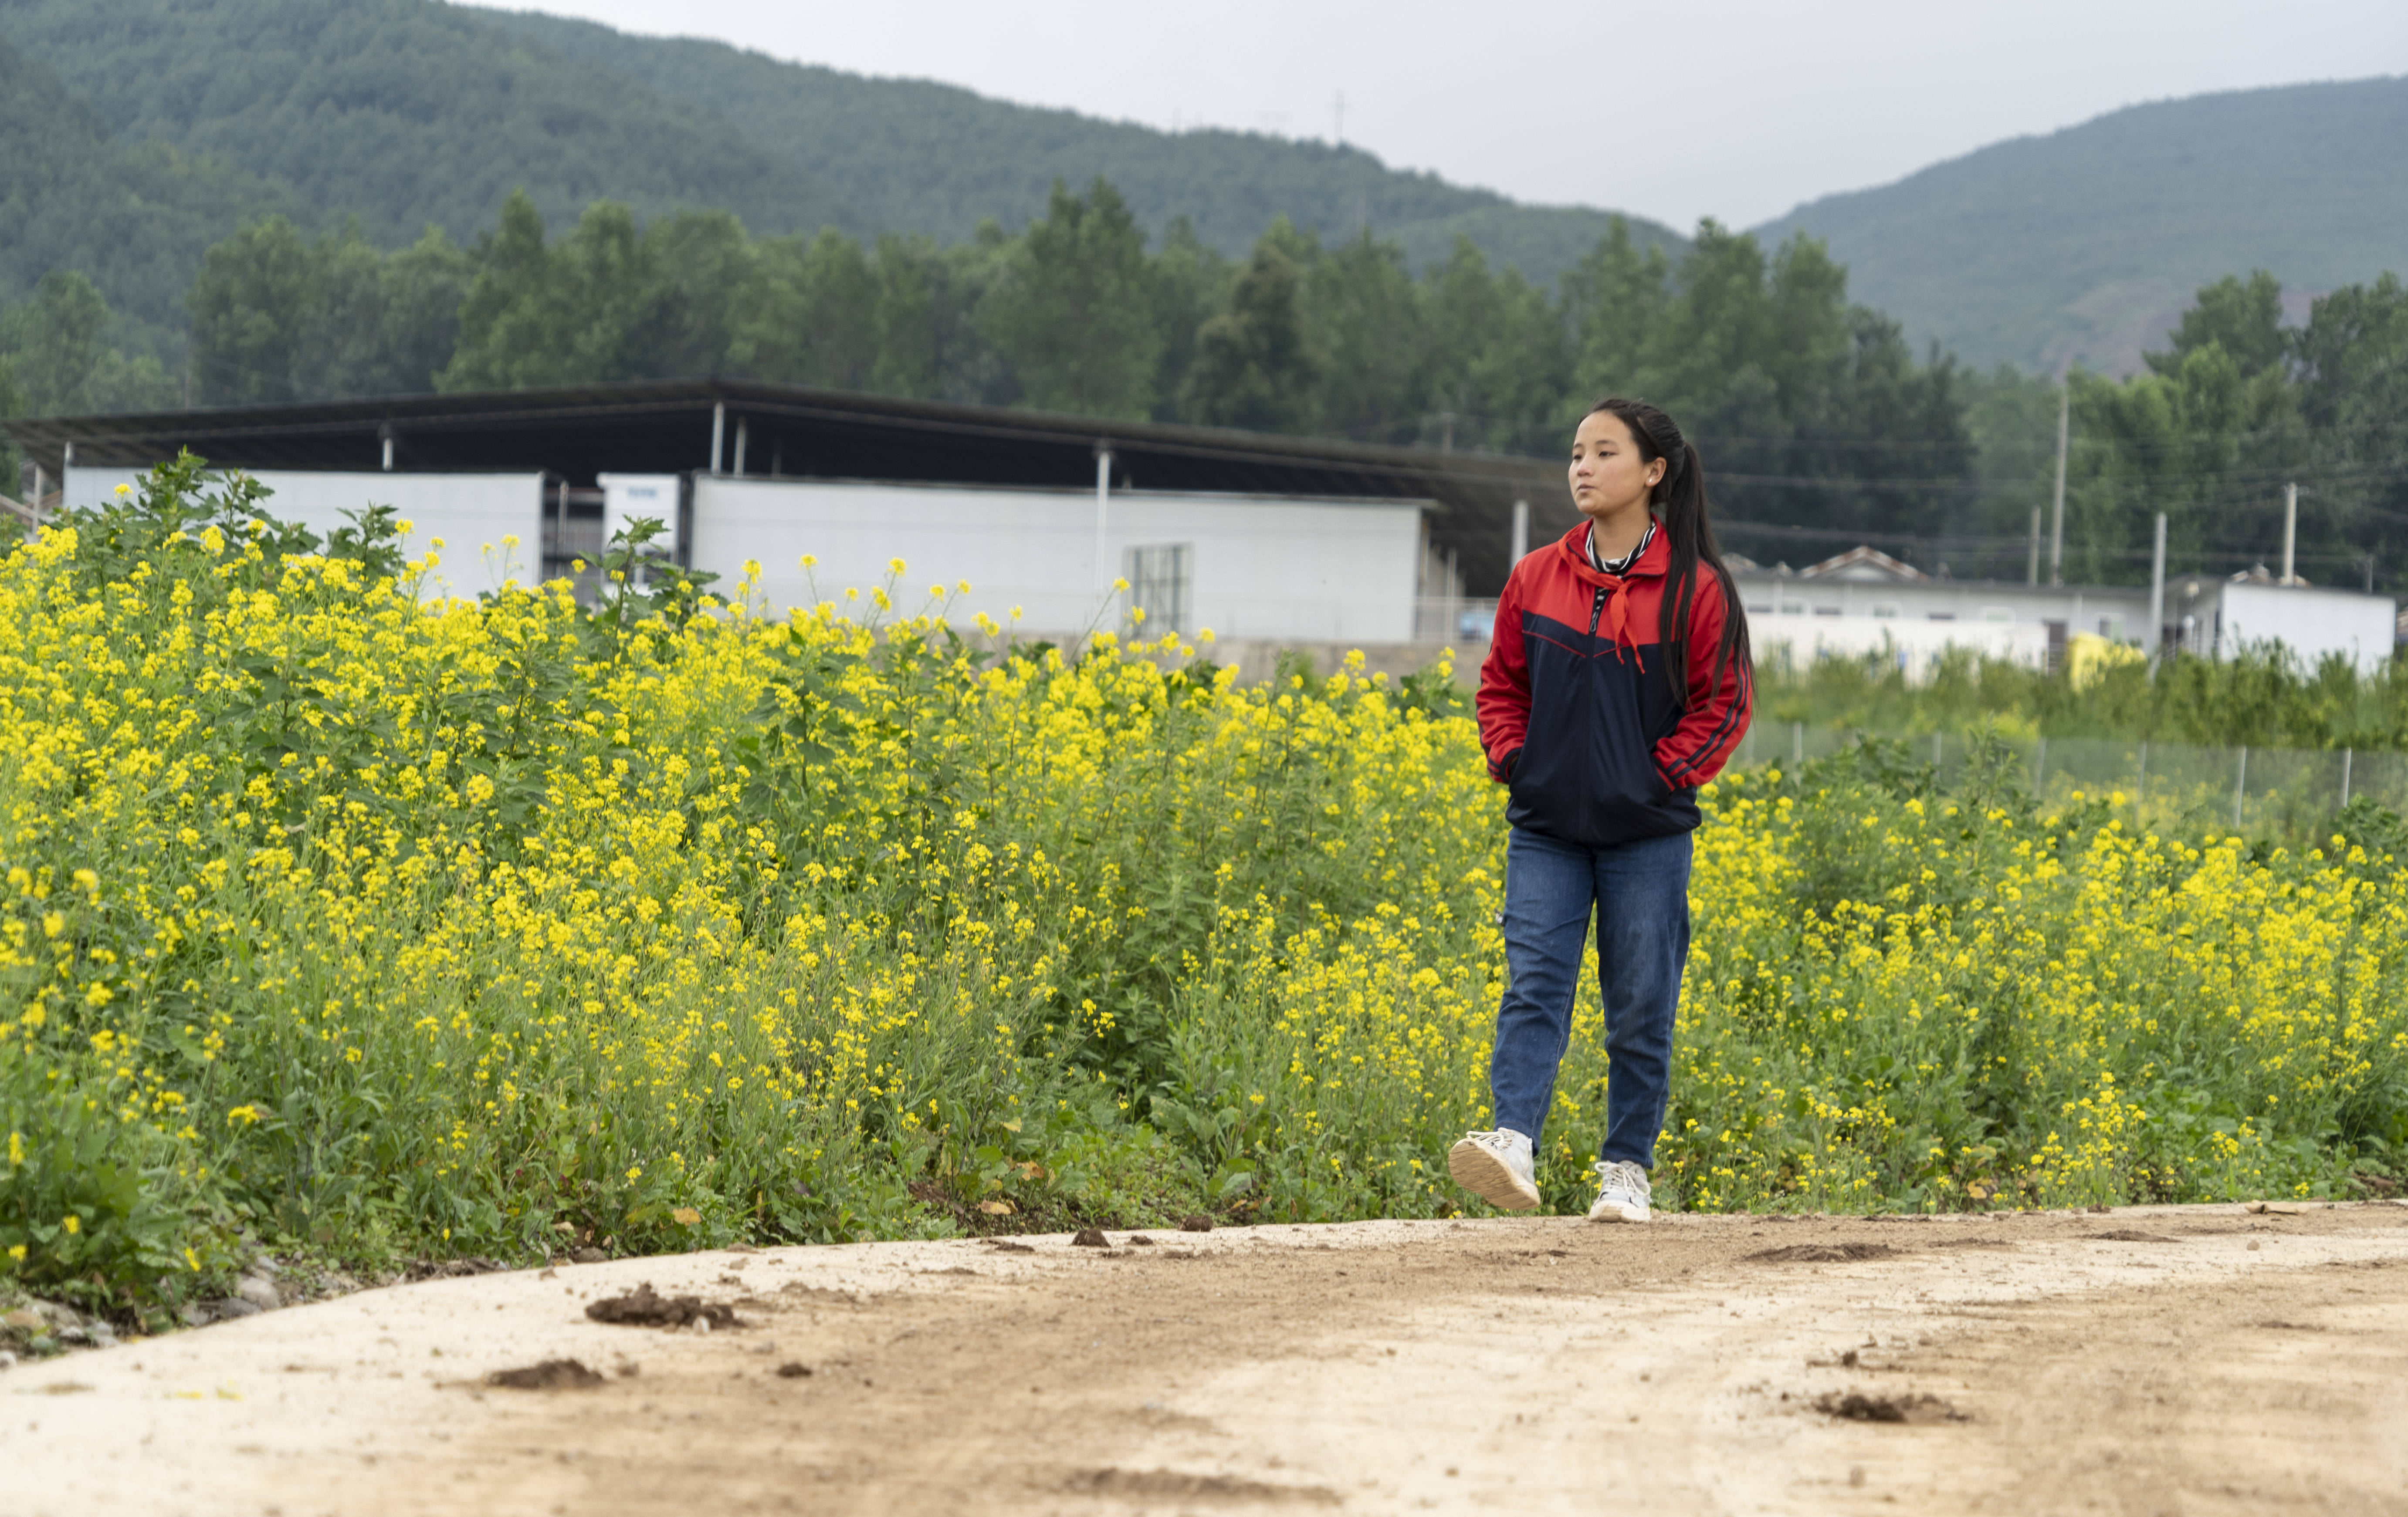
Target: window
(1887, 609)
(1997, 613)
(1827, 610)
(2112, 628)
(1160, 581)
(1943, 616)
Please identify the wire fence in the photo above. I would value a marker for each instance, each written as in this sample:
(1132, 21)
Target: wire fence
(2163, 786)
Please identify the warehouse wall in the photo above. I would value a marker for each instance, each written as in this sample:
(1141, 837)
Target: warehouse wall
(471, 514)
(1262, 567)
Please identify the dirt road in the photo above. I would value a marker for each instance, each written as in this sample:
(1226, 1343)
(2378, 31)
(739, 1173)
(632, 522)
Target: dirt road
(2152, 1360)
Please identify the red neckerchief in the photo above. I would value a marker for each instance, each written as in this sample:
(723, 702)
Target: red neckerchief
(1616, 618)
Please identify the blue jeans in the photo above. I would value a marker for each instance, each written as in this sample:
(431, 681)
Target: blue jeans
(1639, 892)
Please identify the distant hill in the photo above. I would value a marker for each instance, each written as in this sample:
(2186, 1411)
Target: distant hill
(2085, 245)
(402, 112)
(132, 217)
(201, 114)
(912, 155)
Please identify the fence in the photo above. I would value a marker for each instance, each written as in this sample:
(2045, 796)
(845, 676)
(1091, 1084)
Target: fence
(2262, 791)
(1454, 618)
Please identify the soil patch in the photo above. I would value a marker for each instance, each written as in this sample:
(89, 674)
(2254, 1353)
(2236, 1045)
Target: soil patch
(1175, 1486)
(2132, 1235)
(643, 1308)
(450, 1268)
(1823, 1254)
(551, 1375)
(1855, 1407)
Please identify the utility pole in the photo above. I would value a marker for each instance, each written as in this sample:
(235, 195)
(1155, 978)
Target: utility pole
(1521, 532)
(2290, 531)
(2156, 593)
(2032, 569)
(1103, 508)
(2057, 530)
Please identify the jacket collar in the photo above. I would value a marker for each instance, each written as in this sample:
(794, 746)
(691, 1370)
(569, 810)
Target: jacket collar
(1573, 547)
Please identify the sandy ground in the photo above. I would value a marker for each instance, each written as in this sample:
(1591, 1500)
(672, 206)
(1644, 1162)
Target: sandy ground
(2152, 1360)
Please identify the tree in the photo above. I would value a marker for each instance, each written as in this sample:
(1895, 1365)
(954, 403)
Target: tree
(1191, 283)
(2245, 320)
(1366, 317)
(1613, 300)
(248, 309)
(1498, 358)
(810, 316)
(2205, 440)
(1073, 312)
(612, 300)
(276, 319)
(2352, 360)
(1251, 366)
(57, 362)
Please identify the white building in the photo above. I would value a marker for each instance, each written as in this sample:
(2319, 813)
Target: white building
(2216, 618)
(1268, 540)
(1262, 567)
(1864, 602)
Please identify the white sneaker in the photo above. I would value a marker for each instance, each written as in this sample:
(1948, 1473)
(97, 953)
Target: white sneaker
(1621, 1192)
(1497, 1168)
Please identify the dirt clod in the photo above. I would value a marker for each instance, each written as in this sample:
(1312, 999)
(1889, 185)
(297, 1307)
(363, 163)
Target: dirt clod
(793, 1371)
(1005, 1245)
(1857, 1408)
(642, 1307)
(1089, 1238)
(1197, 1224)
(2132, 1235)
(1138, 1240)
(589, 1255)
(1822, 1254)
(450, 1268)
(551, 1375)
(1173, 1484)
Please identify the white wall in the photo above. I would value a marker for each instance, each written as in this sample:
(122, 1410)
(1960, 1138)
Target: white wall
(1917, 646)
(2309, 620)
(471, 513)
(2081, 607)
(1264, 566)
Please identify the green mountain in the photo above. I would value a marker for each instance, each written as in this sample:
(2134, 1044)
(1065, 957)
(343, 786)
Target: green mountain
(911, 155)
(2084, 246)
(132, 217)
(402, 112)
(407, 113)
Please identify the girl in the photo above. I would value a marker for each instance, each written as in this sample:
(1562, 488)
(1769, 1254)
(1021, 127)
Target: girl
(1617, 683)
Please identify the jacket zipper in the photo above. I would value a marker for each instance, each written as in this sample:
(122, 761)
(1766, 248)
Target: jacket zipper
(1595, 610)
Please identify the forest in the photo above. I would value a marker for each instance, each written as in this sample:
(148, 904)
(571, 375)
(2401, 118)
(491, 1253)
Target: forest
(1821, 425)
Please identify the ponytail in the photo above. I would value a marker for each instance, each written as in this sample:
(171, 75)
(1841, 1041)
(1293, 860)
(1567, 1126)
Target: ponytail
(1680, 507)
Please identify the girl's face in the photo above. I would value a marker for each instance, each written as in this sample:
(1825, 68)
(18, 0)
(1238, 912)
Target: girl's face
(1609, 475)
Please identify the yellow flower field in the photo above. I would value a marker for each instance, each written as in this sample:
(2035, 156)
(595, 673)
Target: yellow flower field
(384, 929)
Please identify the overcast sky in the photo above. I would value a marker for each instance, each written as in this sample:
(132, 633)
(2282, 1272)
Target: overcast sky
(1733, 108)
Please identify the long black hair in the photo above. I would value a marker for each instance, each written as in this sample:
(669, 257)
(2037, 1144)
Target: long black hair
(1680, 507)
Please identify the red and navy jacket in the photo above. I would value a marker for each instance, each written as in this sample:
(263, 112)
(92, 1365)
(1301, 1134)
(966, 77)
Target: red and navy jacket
(1575, 712)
